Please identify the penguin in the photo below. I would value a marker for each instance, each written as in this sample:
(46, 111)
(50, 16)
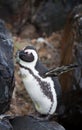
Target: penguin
(45, 92)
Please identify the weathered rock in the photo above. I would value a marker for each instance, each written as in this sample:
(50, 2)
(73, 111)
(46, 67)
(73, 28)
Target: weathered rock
(51, 15)
(6, 68)
(72, 81)
(29, 123)
(5, 124)
(47, 15)
(29, 31)
(72, 34)
(15, 13)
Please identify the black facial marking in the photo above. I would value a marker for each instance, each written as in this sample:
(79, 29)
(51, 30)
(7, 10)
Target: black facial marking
(25, 56)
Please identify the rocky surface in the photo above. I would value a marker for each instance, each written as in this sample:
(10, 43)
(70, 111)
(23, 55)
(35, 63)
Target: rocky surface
(6, 68)
(29, 123)
(49, 49)
(46, 15)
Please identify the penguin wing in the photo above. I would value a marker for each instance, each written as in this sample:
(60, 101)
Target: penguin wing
(58, 89)
(57, 86)
(60, 70)
(41, 68)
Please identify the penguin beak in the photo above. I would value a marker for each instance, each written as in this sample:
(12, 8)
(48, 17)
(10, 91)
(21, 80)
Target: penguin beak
(17, 56)
(21, 53)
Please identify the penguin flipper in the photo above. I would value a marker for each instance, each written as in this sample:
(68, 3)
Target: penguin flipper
(60, 70)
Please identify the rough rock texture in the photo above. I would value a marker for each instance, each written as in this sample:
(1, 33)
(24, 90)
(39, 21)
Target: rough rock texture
(47, 15)
(6, 68)
(50, 16)
(29, 123)
(15, 13)
(72, 81)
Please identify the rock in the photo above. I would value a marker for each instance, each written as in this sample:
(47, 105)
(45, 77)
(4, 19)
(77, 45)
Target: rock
(72, 82)
(12, 5)
(5, 124)
(29, 123)
(72, 34)
(29, 31)
(6, 68)
(50, 17)
(15, 12)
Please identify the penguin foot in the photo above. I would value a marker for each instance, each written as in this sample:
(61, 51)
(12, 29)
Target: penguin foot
(41, 117)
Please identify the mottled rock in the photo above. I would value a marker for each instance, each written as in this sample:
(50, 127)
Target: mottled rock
(72, 82)
(5, 124)
(6, 67)
(49, 17)
(29, 123)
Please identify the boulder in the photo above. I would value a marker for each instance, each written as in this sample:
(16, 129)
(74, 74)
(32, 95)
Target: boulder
(29, 123)
(6, 67)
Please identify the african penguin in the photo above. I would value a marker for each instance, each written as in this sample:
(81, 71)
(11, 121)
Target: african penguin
(44, 91)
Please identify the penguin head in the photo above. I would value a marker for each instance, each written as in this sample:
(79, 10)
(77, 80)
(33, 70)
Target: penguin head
(27, 57)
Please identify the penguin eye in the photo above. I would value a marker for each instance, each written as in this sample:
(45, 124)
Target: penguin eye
(27, 53)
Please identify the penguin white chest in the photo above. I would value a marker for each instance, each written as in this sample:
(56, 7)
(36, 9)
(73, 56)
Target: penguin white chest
(36, 89)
